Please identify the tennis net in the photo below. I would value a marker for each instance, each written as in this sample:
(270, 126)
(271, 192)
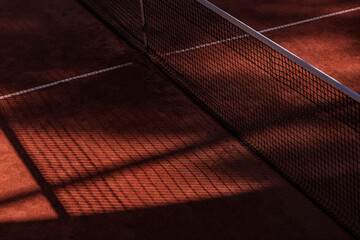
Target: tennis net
(302, 122)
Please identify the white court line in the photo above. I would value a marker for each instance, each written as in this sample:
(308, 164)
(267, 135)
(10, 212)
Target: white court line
(263, 31)
(64, 80)
(177, 52)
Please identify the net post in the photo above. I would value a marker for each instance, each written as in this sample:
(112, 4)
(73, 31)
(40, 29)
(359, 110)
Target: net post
(143, 23)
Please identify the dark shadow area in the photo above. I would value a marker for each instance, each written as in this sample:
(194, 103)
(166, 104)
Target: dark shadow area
(42, 43)
(237, 217)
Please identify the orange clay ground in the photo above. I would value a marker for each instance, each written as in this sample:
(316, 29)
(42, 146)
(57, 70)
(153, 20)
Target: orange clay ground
(124, 154)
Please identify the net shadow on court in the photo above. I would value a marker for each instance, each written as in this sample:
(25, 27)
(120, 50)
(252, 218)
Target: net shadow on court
(241, 78)
(109, 149)
(108, 152)
(105, 155)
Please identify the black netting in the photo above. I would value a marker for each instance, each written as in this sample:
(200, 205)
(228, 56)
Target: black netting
(305, 128)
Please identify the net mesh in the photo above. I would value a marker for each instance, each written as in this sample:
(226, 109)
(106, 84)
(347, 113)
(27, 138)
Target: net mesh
(305, 128)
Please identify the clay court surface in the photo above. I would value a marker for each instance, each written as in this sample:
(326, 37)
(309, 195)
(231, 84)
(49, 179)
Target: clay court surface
(124, 154)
